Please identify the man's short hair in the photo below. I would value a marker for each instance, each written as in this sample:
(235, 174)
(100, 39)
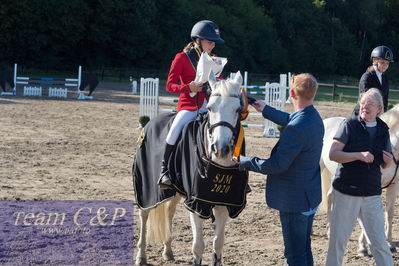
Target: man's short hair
(304, 85)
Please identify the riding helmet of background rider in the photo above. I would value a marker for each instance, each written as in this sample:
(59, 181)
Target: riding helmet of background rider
(381, 52)
(374, 77)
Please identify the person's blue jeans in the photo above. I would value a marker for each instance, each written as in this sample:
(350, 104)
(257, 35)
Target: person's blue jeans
(297, 228)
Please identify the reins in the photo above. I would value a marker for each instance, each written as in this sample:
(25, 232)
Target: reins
(394, 175)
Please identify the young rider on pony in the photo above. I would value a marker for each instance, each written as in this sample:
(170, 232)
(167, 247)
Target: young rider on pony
(374, 77)
(204, 35)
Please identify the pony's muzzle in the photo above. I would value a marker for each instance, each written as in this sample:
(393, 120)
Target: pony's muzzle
(220, 152)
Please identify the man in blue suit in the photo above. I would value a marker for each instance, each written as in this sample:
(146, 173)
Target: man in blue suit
(293, 185)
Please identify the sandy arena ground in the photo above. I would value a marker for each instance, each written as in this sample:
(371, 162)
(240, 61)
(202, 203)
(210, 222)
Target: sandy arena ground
(69, 150)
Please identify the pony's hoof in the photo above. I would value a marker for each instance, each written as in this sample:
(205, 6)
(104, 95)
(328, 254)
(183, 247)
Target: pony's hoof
(392, 247)
(168, 256)
(196, 264)
(141, 261)
(363, 253)
(215, 260)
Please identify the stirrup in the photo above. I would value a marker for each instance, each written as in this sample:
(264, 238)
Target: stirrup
(248, 188)
(164, 181)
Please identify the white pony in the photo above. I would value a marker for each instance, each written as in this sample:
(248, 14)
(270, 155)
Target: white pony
(389, 178)
(224, 110)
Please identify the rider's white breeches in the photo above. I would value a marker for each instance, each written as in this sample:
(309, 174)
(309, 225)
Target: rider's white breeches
(181, 119)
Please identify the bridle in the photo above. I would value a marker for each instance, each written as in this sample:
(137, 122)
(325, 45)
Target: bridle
(234, 129)
(221, 124)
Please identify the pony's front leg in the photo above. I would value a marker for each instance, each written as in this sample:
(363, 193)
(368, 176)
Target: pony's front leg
(221, 215)
(141, 258)
(198, 239)
(391, 194)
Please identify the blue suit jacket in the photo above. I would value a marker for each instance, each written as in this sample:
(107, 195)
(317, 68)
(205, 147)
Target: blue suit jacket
(293, 173)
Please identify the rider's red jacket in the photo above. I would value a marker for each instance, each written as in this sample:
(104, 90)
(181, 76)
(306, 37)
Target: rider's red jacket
(182, 70)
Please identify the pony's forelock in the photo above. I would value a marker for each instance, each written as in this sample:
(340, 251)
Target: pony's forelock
(226, 87)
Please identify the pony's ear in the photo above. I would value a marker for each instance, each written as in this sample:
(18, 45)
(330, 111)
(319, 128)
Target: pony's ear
(211, 78)
(238, 78)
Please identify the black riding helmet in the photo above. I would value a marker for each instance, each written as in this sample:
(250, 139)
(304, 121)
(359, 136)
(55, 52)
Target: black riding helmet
(206, 30)
(382, 52)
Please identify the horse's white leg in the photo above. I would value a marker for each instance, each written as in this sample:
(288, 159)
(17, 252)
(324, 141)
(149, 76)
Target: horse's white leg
(362, 250)
(198, 239)
(327, 189)
(167, 253)
(221, 215)
(141, 258)
(391, 194)
(330, 199)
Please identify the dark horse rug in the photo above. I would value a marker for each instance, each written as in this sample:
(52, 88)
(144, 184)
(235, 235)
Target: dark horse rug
(204, 183)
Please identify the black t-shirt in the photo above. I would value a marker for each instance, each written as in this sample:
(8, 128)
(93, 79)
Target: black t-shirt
(342, 134)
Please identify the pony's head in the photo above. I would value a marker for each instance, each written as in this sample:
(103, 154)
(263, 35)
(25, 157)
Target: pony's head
(224, 109)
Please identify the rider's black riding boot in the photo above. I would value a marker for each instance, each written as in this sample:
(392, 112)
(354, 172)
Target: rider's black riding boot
(164, 181)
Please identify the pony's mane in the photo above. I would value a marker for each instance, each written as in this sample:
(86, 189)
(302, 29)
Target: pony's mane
(226, 87)
(391, 117)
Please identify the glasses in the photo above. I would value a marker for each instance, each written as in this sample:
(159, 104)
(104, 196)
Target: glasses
(372, 104)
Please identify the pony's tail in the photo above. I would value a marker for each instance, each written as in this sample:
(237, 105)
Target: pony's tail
(159, 223)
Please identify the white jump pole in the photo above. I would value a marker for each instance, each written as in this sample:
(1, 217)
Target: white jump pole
(15, 79)
(245, 80)
(79, 77)
(79, 80)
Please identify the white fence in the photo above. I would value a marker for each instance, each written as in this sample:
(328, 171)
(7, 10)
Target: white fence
(149, 97)
(57, 92)
(33, 86)
(32, 91)
(275, 96)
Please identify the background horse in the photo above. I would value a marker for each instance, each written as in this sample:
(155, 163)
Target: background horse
(219, 135)
(6, 77)
(389, 177)
(90, 80)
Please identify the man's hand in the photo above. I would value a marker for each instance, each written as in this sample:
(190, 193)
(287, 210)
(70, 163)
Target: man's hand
(388, 159)
(235, 160)
(259, 105)
(366, 157)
